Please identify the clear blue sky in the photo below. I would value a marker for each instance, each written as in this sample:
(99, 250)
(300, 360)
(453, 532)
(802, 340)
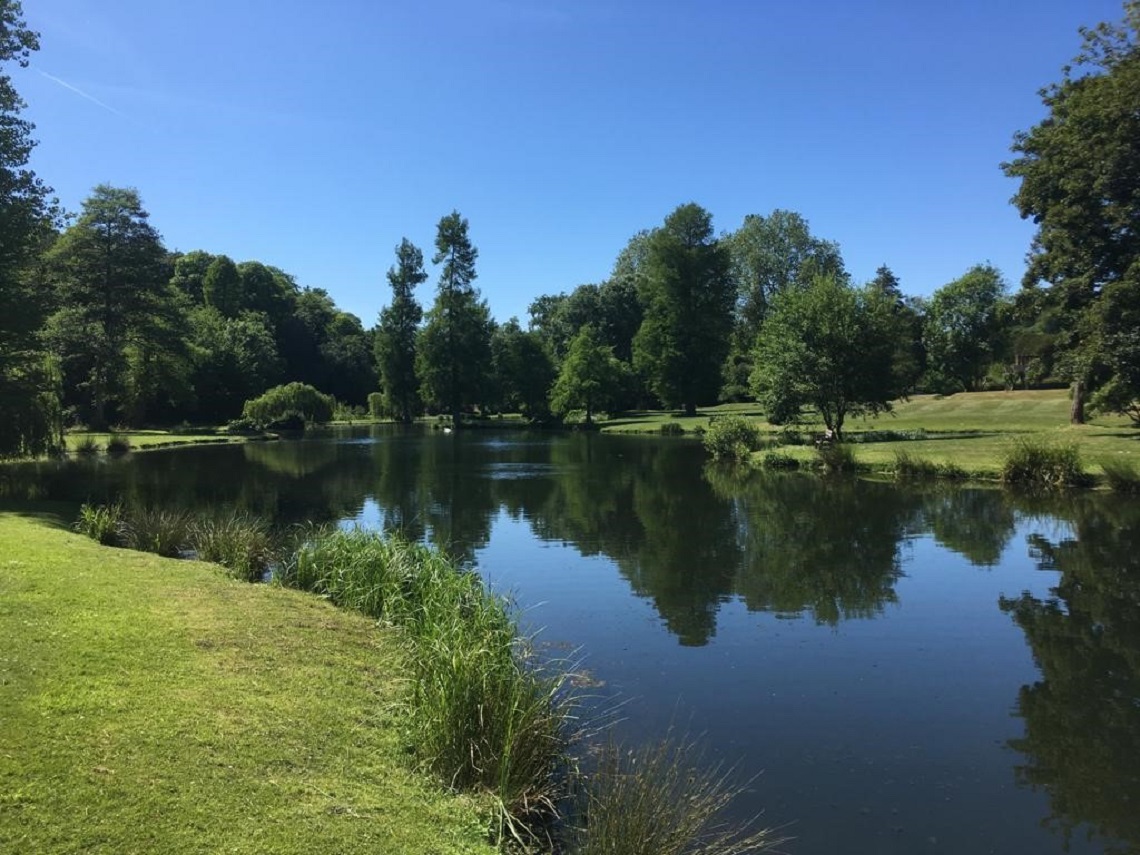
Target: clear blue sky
(314, 136)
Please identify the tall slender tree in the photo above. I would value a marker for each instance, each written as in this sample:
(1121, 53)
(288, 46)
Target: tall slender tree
(396, 334)
(688, 295)
(111, 277)
(454, 352)
(28, 397)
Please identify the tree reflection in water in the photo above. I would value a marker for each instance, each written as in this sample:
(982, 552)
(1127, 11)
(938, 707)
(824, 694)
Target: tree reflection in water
(1082, 718)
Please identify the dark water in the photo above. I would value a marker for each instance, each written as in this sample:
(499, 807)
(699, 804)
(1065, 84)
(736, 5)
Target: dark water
(912, 670)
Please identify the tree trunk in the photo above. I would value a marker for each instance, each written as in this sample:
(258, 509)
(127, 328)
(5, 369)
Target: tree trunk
(1077, 411)
(690, 409)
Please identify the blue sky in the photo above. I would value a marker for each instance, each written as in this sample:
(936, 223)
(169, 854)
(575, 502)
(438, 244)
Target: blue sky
(314, 136)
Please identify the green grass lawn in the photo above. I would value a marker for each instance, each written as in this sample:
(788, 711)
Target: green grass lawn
(152, 705)
(973, 430)
(145, 439)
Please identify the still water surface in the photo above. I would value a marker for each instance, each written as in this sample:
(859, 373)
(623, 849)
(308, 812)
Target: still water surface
(909, 670)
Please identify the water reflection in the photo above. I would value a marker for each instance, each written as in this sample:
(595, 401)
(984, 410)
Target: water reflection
(1082, 717)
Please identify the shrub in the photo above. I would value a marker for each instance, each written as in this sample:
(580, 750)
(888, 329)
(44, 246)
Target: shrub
(662, 799)
(908, 466)
(298, 402)
(117, 444)
(1122, 475)
(1037, 463)
(163, 532)
(240, 542)
(836, 456)
(779, 460)
(672, 429)
(102, 523)
(731, 438)
(376, 404)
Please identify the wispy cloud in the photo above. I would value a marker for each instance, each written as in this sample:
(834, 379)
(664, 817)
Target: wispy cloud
(80, 92)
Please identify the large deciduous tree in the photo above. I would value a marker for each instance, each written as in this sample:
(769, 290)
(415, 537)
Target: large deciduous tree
(523, 369)
(112, 279)
(453, 356)
(828, 346)
(688, 295)
(590, 378)
(1080, 183)
(396, 335)
(29, 401)
(961, 329)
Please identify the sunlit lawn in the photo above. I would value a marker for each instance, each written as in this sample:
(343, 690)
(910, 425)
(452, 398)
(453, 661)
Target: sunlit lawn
(972, 430)
(153, 705)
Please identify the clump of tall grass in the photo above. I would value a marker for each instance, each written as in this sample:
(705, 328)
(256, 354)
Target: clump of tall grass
(87, 445)
(779, 460)
(836, 456)
(117, 444)
(158, 530)
(1122, 475)
(1037, 463)
(672, 429)
(909, 467)
(731, 438)
(105, 524)
(661, 799)
(240, 542)
(487, 716)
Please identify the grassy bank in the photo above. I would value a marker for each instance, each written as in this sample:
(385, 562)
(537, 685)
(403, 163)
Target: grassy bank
(143, 440)
(153, 705)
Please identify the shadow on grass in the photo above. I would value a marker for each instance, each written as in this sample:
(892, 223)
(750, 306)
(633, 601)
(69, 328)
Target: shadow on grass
(53, 514)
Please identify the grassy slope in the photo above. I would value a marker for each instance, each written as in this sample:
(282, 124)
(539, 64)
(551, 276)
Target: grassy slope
(143, 439)
(151, 705)
(973, 430)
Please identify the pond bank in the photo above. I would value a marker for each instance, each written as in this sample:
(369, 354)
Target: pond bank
(149, 704)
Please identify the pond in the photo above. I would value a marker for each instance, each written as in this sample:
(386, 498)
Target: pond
(924, 669)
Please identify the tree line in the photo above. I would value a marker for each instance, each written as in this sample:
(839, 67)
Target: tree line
(101, 325)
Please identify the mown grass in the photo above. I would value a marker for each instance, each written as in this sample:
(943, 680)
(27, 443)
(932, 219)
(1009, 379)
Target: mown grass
(150, 705)
(92, 441)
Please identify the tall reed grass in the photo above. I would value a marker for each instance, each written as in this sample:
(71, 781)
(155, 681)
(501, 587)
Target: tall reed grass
(105, 524)
(158, 530)
(836, 457)
(1122, 475)
(488, 716)
(662, 799)
(242, 543)
(1039, 463)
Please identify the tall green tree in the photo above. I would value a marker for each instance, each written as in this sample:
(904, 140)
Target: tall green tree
(828, 346)
(523, 370)
(591, 376)
(28, 389)
(222, 287)
(1079, 170)
(909, 356)
(111, 280)
(688, 294)
(962, 329)
(396, 335)
(454, 352)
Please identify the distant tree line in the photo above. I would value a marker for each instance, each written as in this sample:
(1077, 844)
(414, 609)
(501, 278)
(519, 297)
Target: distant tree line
(101, 325)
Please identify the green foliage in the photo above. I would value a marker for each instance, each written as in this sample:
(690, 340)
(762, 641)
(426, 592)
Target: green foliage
(779, 460)
(105, 524)
(242, 543)
(453, 356)
(731, 438)
(1111, 332)
(837, 456)
(688, 295)
(961, 329)
(523, 371)
(222, 288)
(87, 445)
(395, 343)
(117, 444)
(1034, 462)
(1122, 474)
(1080, 185)
(661, 799)
(291, 400)
(234, 359)
(377, 405)
(672, 429)
(486, 717)
(828, 346)
(111, 283)
(158, 530)
(590, 378)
